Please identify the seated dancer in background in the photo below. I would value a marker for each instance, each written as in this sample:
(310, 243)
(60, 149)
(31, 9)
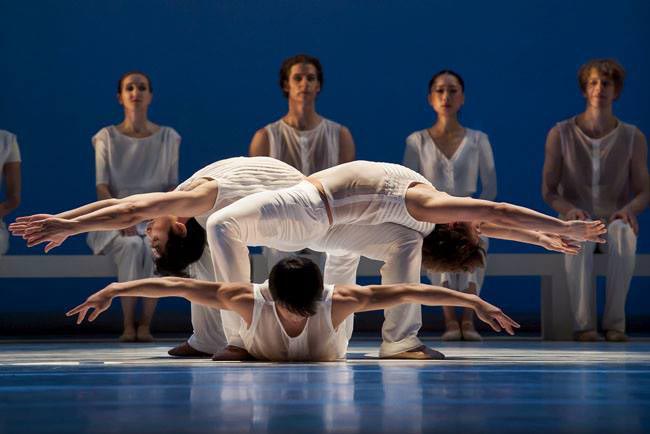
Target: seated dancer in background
(286, 223)
(279, 322)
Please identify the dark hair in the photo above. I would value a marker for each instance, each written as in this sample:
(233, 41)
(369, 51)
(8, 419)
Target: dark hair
(449, 248)
(446, 72)
(285, 69)
(297, 284)
(181, 251)
(607, 67)
(126, 74)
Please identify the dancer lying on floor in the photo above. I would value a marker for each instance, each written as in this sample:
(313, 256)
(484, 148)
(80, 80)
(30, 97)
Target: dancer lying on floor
(293, 316)
(297, 219)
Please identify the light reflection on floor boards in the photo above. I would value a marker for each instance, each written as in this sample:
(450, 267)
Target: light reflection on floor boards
(494, 386)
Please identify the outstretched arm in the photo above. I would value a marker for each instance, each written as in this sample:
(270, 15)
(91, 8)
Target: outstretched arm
(230, 296)
(425, 203)
(115, 214)
(353, 298)
(549, 241)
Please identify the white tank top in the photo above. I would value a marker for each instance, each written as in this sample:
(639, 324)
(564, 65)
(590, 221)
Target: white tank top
(266, 339)
(241, 176)
(308, 151)
(369, 193)
(596, 172)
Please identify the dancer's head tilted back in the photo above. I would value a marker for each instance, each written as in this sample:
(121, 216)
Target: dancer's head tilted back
(176, 245)
(453, 247)
(296, 284)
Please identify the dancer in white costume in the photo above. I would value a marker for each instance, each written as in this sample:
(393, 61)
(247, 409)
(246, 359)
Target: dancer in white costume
(136, 156)
(596, 167)
(296, 218)
(303, 138)
(175, 229)
(278, 323)
(452, 158)
(10, 173)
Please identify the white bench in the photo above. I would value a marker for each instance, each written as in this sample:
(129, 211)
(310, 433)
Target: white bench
(555, 316)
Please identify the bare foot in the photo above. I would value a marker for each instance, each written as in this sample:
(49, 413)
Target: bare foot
(186, 350)
(420, 353)
(128, 335)
(587, 336)
(452, 333)
(232, 354)
(616, 336)
(470, 333)
(144, 334)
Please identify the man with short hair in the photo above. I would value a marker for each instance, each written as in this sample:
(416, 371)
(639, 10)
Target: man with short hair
(293, 316)
(596, 167)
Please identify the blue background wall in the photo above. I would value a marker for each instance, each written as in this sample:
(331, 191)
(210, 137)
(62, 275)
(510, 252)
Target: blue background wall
(214, 69)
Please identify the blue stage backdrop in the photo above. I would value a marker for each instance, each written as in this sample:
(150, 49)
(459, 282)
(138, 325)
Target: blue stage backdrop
(214, 67)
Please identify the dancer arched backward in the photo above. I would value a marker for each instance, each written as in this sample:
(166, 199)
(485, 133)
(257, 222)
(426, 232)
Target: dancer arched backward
(175, 230)
(278, 323)
(296, 218)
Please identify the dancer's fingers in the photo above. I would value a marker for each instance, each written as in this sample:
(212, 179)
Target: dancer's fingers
(51, 245)
(76, 309)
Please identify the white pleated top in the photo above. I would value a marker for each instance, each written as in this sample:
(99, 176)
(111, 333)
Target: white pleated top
(266, 338)
(596, 172)
(308, 151)
(370, 193)
(9, 152)
(242, 176)
(136, 165)
(459, 174)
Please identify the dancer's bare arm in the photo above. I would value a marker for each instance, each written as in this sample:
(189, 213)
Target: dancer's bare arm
(353, 298)
(123, 213)
(425, 203)
(237, 297)
(549, 241)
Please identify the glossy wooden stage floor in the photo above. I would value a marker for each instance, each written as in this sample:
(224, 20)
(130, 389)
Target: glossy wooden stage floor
(500, 385)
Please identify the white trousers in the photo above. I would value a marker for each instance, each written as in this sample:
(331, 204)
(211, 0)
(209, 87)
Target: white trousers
(621, 247)
(461, 281)
(208, 335)
(132, 256)
(4, 238)
(283, 219)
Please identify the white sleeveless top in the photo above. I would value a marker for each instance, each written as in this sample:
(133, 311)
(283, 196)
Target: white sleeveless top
(596, 172)
(9, 152)
(136, 165)
(459, 174)
(241, 176)
(369, 193)
(266, 339)
(308, 151)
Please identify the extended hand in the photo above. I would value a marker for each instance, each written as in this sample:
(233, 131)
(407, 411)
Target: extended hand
(495, 317)
(590, 230)
(558, 243)
(52, 230)
(18, 227)
(99, 301)
(628, 217)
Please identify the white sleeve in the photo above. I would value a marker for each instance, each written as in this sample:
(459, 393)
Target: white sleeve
(411, 154)
(100, 143)
(172, 178)
(487, 169)
(14, 152)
